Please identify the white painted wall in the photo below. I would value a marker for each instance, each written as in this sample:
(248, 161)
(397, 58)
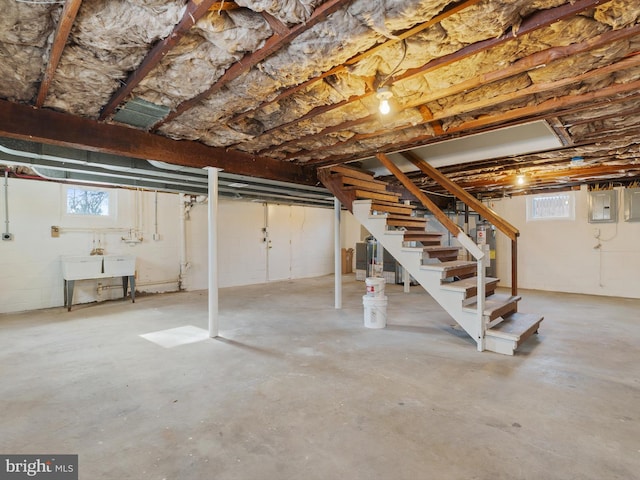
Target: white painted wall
(302, 241)
(559, 255)
(30, 272)
(351, 232)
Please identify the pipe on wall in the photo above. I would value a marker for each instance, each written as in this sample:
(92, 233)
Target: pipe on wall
(184, 265)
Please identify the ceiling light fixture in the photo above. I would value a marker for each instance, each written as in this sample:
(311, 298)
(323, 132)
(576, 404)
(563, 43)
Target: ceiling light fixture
(384, 94)
(520, 179)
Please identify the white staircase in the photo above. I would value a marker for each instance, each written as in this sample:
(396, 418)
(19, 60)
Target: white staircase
(460, 287)
(499, 328)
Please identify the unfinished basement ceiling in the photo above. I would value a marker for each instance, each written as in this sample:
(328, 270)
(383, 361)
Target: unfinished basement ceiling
(277, 89)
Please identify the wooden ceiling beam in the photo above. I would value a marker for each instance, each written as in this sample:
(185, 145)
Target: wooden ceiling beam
(620, 113)
(538, 20)
(547, 106)
(223, 6)
(554, 106)
(276, 25)
(271, 46)
(522, 65)
(55, 128)
(575, 174)
(560, 130)
(195, 10)
(68, 16)
(534, 89)
(450, 10)
(430, 138)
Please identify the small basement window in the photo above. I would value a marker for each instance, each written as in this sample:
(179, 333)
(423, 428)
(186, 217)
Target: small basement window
(88, 201)
(557, 206)
(88, 206)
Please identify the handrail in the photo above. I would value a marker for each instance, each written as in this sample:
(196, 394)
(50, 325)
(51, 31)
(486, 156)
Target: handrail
(460, 193)
(426, 201)
(455, 230)
(501, 224)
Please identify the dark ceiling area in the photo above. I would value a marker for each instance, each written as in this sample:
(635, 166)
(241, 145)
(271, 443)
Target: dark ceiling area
(504, 97)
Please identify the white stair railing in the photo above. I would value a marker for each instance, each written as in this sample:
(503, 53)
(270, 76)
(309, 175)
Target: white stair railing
(479, 255)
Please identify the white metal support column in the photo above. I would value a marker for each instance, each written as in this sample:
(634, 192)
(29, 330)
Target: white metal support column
(213, 250)
(337, 254)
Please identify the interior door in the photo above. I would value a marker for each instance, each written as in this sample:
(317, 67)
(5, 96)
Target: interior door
(278, 225)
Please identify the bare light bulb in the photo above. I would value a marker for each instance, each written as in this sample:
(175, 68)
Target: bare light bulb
(520, 179)
(384, 94)
(384, 107)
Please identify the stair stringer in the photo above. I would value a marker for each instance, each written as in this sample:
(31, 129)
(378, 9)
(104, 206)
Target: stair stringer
(411, 260)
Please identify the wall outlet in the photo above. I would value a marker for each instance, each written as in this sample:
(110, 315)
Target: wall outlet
(7, 237)
(156, 236)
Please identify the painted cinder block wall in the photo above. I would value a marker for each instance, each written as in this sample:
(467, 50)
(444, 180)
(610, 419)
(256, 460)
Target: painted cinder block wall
(560, 255)
(30, 271)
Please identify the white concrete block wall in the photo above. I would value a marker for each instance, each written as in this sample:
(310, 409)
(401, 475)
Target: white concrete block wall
(302, 243)
(559, 255)
(30, 270)
(350, 234)
(242, 253)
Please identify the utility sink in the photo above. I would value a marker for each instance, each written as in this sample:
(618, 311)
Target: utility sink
(80, 267)
(119, 265)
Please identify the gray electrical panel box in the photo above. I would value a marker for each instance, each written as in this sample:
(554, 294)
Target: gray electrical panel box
(603, 206)
(631, 204)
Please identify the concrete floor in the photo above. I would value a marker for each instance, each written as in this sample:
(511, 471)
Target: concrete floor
(297, 390)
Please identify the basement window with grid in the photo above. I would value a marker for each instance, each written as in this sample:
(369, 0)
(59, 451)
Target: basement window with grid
(557, 206)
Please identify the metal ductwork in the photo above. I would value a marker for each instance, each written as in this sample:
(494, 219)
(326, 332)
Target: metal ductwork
(63, 164)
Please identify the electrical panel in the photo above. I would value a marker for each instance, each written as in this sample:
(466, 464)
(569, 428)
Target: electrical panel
(603, 206)
(631, 204)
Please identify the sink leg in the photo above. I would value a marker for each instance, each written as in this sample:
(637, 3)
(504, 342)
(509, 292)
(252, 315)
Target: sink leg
(69, 284)
(132, 278)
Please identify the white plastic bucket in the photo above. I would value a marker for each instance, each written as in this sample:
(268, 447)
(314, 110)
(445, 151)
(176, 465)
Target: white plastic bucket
(375, 311)
(375, 286)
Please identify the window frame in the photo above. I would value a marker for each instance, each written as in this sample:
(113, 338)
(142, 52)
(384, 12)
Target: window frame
(88, 218)
(571, 207)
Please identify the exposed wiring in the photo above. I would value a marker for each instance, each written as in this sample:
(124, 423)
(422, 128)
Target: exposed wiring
(615, 234)
(404, 55)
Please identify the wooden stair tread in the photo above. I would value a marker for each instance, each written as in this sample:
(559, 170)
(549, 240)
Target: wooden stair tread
(374, 190)
(469, 286)
(399, 216)
(446, 267)
(366, 194)
(376, 185)
(394, 204)
(517, 327)
(496, 306)
(425, 234)
(440, 248)
(467, 283)
(417, 229)
(396, 222)
(352, 172)
(441, 252)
